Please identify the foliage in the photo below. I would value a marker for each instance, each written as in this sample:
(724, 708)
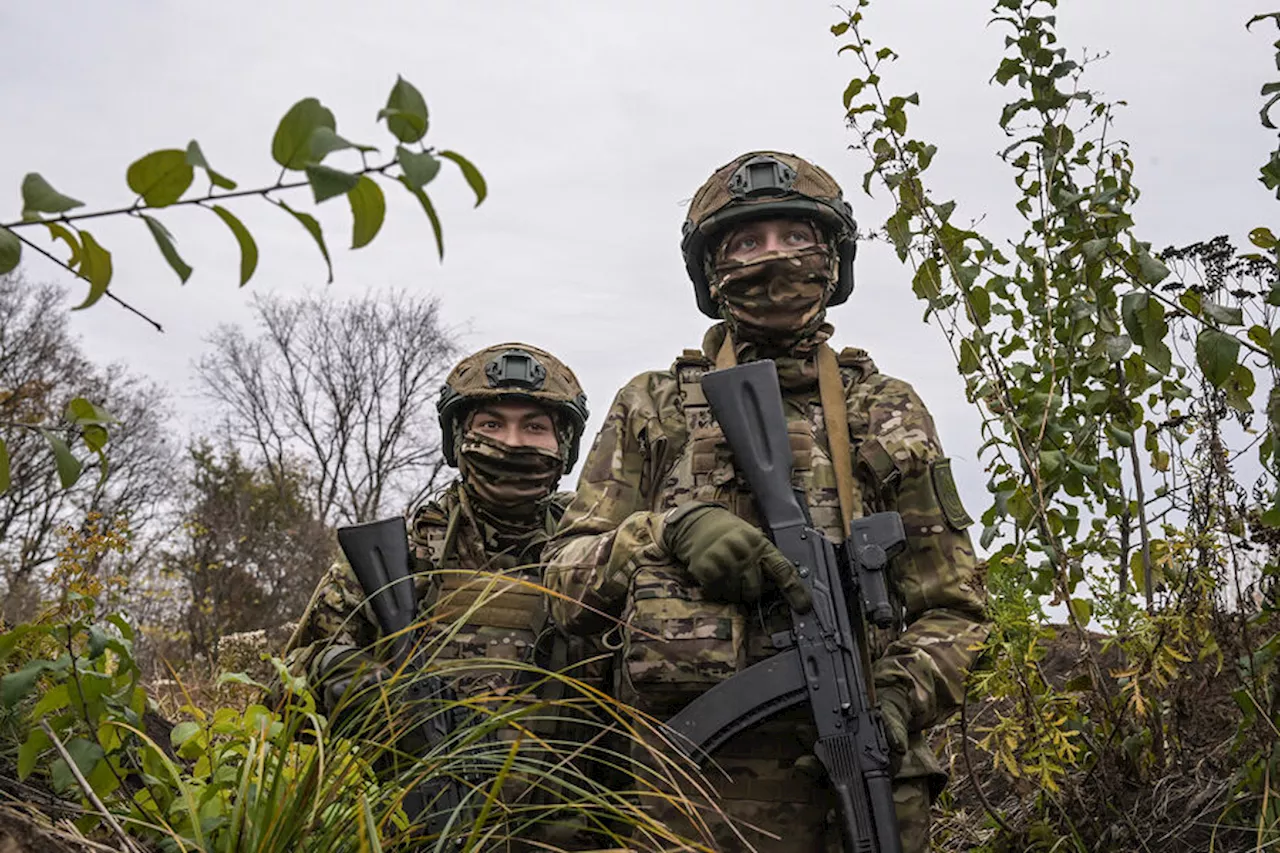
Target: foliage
(278, 776)
(305, 137)
(349, 386)
(44, 372)
(1117, 403)
(250, 548)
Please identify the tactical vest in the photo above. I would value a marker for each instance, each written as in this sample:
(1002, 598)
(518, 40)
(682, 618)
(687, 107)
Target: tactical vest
(678, 644)
(512, 602)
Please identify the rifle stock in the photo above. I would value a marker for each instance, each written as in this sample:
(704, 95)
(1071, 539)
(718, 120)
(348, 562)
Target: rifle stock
(821, 663)
(378, 552)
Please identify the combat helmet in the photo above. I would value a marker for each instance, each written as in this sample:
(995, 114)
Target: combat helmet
(759, 185)
(513, 370)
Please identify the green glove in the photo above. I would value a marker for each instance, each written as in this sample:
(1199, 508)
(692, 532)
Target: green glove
(730, 558)
(347, 672)
(893, 710)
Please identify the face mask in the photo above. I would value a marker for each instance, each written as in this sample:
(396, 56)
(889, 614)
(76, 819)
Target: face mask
(499, 476)
(775, 298)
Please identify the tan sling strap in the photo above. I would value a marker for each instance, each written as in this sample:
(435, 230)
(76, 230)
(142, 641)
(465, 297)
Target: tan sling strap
(835, 415)
(726, 357)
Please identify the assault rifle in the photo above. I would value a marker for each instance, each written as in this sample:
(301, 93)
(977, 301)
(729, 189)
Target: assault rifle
(820, 660)
(379, 553)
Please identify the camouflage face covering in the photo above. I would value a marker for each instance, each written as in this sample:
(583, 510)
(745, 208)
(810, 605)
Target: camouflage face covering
(777, 297)
(500, 477)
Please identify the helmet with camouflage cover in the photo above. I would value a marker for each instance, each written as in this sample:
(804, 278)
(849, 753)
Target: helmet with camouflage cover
(513, 370)
(763, 185)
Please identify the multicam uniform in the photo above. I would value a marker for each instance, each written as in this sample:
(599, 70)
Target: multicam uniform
(660, 449)
(476, 548)
(456, 556)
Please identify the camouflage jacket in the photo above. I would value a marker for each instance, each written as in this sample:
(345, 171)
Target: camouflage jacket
(456, 560)
(659, 448)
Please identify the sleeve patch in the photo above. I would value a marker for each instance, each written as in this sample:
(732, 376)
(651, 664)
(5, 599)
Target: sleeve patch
(944, 486)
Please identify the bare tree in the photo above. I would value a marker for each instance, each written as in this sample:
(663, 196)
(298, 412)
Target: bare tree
(42, 368)
(347, 386)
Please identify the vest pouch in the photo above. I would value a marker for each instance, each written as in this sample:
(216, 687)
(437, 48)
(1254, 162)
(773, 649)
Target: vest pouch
(676, 645)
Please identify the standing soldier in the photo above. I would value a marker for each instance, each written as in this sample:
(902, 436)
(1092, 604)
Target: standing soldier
(511, 419)
(663, 536)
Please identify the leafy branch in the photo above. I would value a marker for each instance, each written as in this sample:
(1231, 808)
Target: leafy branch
(304, 138)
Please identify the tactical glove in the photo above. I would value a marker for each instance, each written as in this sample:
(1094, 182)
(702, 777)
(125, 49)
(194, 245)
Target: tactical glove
(344, 671)
(730, 558)
(893, 710)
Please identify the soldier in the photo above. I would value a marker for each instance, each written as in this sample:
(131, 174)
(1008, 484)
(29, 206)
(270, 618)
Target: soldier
(511, 419)
(662, 533)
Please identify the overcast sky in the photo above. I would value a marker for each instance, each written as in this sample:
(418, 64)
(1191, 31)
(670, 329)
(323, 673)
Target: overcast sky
(594, 122)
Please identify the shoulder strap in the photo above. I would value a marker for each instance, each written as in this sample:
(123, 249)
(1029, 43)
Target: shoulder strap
(836, 416)
(689, 369)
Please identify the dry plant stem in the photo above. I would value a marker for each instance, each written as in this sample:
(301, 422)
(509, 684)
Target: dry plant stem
(968, 766)
(88, 789)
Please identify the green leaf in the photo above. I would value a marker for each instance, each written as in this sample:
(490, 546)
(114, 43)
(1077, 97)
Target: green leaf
(431, 214)
(122, 625)
(97, 642)
(1117, 346)
(54, 699)
(979, 303)
(80, 412)
(239, 678)
(1191, 302)
(1151, 270)
(855, 87)
(1131, 306)
(4, 467)
(183, 732)
(1216, 353)
(248, 247)
(324, 141)
(68, 466)
(327, 182)
(419, 168)
(195, 157)
(291, 146)
(165, 241)
(39, 197)
(472, 175)
(10, 251)
(31, 750)
(927, 282)
(406, 112)
(161, 177)
(368, 209)
(1225, 314)
(1082, 609)
(969, 360)
(85, 753)
(1121, 437)
(16, 685)
(1094, 249)
(313, 228)
(57, 232)
(1262, 238)
(95, 267)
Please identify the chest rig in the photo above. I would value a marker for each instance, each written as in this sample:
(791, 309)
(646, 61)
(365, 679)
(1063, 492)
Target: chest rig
(448, 559)
(705, 470)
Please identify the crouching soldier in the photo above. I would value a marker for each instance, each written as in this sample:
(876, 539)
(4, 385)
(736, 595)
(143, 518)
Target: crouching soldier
(511, 418)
